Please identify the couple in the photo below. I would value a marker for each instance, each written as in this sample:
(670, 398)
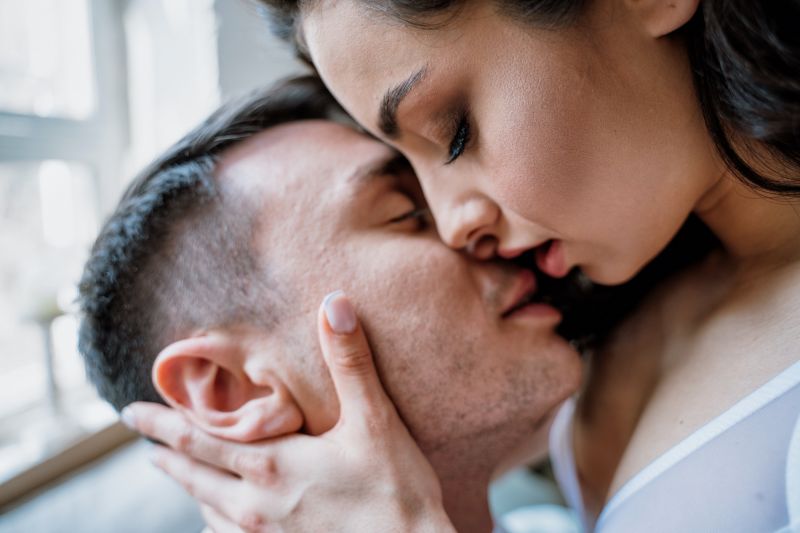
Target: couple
(573, 128)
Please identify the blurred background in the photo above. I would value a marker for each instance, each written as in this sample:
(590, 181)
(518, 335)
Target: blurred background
(91, 91)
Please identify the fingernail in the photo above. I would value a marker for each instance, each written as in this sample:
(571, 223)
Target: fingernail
(128, 418)
(340, 313)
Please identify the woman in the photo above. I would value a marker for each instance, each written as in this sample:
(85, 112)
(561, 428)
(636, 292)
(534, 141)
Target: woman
(587, 131)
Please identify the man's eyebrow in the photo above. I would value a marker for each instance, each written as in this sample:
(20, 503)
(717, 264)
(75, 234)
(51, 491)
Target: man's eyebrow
(387, 121)
(365, 174)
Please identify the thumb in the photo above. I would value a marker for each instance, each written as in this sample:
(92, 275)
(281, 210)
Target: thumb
(349, 359)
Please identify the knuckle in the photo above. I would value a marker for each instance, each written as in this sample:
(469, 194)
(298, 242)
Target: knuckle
(251, 521)
(266, 470)
(190, 486)
(355, 359)
(261, 468)
(185, 439)
(145, 425)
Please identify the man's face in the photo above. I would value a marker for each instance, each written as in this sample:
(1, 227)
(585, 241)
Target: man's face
(455, 363)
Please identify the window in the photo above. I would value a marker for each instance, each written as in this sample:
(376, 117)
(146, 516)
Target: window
(91, 91)
(48, 215)
(62, 133)
(46, 59)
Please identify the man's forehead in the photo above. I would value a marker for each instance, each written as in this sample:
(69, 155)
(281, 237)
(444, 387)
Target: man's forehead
(292, 148)
(310, 153)
(283, 142)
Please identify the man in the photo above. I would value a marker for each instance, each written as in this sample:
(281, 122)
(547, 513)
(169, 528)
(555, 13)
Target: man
(208, 276)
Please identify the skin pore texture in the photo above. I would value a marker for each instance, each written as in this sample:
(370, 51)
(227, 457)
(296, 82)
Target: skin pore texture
(591, 136)
(471, 384)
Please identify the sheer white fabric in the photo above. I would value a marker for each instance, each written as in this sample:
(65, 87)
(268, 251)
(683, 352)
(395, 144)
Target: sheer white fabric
(738, 473)
(563, 461)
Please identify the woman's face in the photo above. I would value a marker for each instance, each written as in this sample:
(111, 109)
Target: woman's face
(586, 142)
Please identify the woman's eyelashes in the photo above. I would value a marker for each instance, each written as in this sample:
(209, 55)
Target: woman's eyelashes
(460, 137)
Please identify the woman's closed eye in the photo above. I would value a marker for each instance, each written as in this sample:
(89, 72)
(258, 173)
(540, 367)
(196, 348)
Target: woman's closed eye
(461, 136)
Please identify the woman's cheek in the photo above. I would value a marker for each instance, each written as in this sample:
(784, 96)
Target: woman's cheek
(541, 175)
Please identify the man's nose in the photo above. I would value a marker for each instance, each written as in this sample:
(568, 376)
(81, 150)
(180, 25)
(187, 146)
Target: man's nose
(470, 225)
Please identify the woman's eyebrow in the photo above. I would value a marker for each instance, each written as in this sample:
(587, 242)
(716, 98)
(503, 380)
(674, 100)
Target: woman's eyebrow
(387, 121)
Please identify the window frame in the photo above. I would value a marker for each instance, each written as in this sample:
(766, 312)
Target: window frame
(100, 143)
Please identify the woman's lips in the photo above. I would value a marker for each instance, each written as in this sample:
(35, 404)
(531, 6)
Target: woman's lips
(550, 259)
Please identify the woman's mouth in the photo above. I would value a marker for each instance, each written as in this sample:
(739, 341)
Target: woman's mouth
(550, 258)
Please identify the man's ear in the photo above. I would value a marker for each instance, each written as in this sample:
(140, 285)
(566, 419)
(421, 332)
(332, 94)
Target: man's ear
(208, 379)
(662, 17)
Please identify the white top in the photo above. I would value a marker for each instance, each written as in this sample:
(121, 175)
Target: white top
(738, 473)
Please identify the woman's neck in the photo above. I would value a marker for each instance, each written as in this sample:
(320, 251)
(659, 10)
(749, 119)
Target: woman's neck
(755, 229)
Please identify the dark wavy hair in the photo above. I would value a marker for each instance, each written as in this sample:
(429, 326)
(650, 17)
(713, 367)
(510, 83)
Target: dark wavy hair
(745, 59)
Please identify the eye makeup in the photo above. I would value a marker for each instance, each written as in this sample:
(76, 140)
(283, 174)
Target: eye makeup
(460, 135)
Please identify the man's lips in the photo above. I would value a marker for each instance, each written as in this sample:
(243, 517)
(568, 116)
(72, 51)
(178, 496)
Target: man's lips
(521, 293)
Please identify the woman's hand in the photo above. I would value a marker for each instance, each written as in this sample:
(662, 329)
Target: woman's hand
(365, 474)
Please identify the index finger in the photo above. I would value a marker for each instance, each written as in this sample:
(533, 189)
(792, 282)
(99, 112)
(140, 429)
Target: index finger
(349, 358)
(169, 426)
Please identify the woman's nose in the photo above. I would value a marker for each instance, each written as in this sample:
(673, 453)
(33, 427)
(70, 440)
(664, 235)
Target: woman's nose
(470, 225)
